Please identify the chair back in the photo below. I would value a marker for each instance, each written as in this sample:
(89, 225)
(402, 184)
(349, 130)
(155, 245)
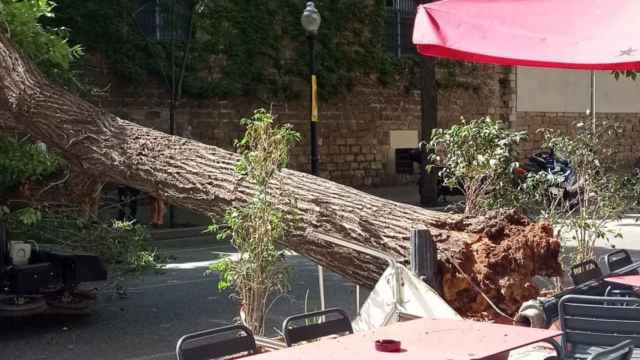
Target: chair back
(216, 343)
(622, 351)
(621, 293)
(314, 325)
(585, 271)
(617, 260)
(599, 321)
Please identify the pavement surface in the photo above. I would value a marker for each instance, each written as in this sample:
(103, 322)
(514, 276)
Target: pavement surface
(146, 321)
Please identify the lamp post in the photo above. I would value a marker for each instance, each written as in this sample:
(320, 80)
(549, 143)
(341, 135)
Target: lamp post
(310, 21)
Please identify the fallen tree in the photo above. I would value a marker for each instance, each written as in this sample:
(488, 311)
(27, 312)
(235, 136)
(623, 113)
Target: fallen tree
(500, 252)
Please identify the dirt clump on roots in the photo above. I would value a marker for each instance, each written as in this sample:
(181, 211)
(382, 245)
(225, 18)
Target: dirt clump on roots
(502, 259)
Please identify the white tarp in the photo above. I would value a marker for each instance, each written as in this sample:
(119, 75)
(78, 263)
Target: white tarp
(413, 297)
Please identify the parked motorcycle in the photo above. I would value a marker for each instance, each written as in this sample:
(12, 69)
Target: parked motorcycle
(547, 162)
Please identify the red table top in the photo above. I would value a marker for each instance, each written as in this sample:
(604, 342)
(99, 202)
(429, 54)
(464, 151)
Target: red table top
(631, 280)
(421, 339)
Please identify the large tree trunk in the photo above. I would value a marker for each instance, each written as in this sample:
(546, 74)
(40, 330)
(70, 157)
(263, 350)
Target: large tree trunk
(500, 253)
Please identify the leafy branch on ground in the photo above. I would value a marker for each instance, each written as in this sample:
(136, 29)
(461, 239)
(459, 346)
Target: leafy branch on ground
(123, 246)
(24, 165)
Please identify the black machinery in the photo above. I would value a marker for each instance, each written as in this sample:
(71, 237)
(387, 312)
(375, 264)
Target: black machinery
(33, 281)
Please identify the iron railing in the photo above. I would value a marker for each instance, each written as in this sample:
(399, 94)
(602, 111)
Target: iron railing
(399, 19)
(164, 20)
(397, 281)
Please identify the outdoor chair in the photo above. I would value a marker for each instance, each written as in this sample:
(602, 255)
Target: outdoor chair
(622, 351)
(315, 325)
(216, 343)
(620, 291)
(593, 323)
(585, 271)
(617, 260)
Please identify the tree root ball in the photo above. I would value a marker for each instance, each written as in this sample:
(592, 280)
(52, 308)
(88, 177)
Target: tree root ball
(506, 253)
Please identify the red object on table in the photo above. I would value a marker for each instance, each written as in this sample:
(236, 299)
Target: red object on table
(388, 345)
(631, 280)
(572, 34)
(421, 339)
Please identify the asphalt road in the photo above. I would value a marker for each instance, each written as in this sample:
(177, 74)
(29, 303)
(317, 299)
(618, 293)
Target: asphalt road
(157, 310)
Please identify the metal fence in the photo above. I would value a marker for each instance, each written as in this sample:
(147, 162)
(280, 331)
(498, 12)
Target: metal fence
(399, 18)
(164, 20)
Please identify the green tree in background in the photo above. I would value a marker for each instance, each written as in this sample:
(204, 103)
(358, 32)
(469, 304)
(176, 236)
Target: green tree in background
(47, 46)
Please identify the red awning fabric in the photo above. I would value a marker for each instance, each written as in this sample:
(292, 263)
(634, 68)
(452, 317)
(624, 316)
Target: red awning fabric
(571, 34)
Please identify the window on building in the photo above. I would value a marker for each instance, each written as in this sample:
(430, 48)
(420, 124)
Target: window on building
(399, 18)
(155, 19)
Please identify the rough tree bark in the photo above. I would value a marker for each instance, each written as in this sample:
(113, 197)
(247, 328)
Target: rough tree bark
(501, 253)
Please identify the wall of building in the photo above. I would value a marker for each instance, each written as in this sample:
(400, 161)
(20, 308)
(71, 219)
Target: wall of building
(358, 132)
(558, 99)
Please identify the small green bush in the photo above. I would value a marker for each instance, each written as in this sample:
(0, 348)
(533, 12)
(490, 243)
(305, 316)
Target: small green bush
(478, 157)
(256, 228)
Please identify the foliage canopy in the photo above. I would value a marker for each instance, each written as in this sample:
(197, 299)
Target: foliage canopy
(24, 21)
(478, 157)
(239, 47)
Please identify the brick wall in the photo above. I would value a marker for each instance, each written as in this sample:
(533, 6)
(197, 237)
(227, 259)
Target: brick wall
(354, 130)
(626, 146)
(478, 93)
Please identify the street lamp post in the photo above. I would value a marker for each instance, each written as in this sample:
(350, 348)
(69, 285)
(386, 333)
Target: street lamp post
(310, 21)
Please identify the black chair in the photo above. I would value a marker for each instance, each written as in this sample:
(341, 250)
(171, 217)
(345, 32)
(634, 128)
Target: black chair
(620, 292)
(216, 343)
(617, 260)
(585, 271)
(314, 325)
(593, 323)
(622, 351)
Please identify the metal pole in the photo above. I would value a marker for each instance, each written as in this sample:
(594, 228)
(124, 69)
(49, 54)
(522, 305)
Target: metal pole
(315, 170)
(429, 108)
(398, 29)
(313, 138)
(593, 100)
(157, 21)
(172, 104)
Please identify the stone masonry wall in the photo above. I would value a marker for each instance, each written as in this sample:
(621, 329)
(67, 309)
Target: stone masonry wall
(480, 93)
(627, 147)
(354, 130)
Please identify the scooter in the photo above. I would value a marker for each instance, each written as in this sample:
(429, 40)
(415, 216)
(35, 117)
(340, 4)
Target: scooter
(546, 161)
(35, 281)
